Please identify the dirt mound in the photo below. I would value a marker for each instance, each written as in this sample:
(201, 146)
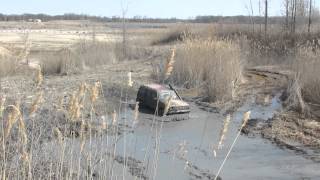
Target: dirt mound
(4, 52)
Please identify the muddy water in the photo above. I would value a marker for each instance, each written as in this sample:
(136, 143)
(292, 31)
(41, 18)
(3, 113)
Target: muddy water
(183, 150)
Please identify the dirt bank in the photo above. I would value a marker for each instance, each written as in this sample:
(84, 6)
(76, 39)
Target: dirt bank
(291, 130)
(287, 128)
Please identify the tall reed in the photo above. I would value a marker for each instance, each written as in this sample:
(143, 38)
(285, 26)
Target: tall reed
(212, 65)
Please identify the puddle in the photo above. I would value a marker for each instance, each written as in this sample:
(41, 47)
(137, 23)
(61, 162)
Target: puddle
(183, 150)
(252, 158)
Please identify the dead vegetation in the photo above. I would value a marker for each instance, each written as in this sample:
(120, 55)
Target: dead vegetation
(307, 65)
(212, 65)
(35, 135)
(78, 58)
(172, 35)
(7, 66)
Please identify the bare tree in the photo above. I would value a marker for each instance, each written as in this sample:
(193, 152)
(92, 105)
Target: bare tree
(296, 13)
(287, 4)
(266, 18)
(310, 14)
(251, 14)
(260, 25)
(293, 15)
(124, 8)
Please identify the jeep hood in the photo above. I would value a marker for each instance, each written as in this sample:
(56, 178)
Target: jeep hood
(177, 102)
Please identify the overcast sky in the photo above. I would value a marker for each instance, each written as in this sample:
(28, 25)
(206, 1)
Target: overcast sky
(150, 8)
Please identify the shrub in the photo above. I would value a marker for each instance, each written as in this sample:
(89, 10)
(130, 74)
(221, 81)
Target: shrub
(212, 64)
(307, 64)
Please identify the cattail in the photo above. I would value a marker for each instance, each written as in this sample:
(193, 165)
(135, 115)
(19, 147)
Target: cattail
(233, 89)
(81, 93)
(36, 103)
(2, 102)
(25, 156)
(104, 125)
(95, 91)
(167, 105)
(170, 63)
(246, 117)
(60, 103)
(10, 123)
(224, 130)
(59, 136)
(17, 107)
(136, 114)
(77, 109)
(82, 143)
(82, 128)
(214, 153)
(22, 131)
(71, 105)
(72, 102)
(12, 117)
(77, 113)
(74, 109)
(267, 99)
(114, 118)
(39, 78)
(130, 83)
(82, 89)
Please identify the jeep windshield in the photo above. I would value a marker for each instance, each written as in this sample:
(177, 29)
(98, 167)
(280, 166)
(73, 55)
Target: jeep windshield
(164, 95)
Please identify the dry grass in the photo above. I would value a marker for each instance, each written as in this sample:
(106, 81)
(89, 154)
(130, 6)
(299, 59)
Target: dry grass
(212, 65)
(81, 56)
(172, 35)
(308, 66)
(7, 66)
(304, 88)
(87, 54)
(24, 132)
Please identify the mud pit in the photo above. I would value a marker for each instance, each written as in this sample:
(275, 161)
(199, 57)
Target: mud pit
(183, 150)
